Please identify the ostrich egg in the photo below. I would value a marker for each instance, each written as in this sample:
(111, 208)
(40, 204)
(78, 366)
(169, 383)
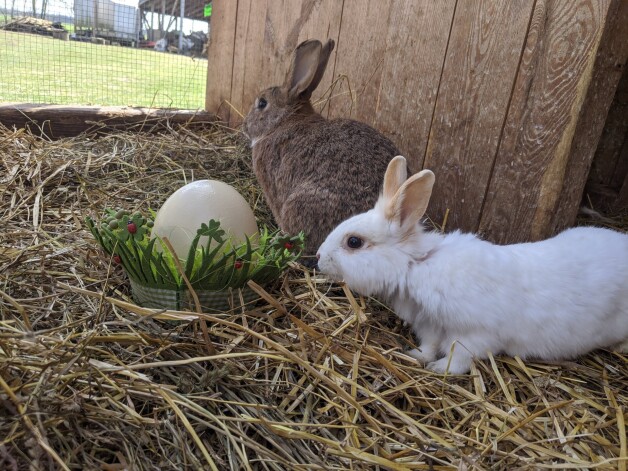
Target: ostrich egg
(196, 203)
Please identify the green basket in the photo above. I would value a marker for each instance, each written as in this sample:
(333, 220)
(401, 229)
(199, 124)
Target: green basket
(183, 300)
(217, 270)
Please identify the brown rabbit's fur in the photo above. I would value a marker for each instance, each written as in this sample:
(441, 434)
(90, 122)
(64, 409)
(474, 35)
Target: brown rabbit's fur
(314, 172)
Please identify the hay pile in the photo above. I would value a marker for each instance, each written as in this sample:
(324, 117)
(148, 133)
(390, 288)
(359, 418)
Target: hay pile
(28, 24)
(309, 378)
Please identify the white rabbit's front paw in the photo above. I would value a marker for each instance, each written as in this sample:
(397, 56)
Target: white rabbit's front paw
(424, 355)
(457, 366)
(622, 347)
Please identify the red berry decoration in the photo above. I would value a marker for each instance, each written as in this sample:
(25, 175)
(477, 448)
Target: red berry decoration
(132, 227)
(288, 245)
(117, 259)
(237, 264)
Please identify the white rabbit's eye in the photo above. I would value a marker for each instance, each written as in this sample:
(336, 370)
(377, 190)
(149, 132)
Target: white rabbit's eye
(354, 242)
(261, 103)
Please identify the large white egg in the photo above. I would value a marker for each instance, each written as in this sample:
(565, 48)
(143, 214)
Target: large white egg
(196, 203)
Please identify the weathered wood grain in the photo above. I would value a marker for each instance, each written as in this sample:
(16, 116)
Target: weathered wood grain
(55, 121)
(220, 53)
(610, 59)
(324, 23)
(416, 42)
(362, 49)
(266, 34)
(555, 73)
(485, 46)
(503, 99)
(248, 57)
(312, 19)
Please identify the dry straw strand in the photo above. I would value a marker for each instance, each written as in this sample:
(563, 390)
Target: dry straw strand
(310, 377)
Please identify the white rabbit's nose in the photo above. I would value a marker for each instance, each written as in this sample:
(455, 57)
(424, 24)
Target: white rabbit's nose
(318, 256)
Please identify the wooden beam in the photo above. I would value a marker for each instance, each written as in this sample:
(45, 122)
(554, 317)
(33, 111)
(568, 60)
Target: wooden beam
(162, 21)
(220, 56)
(57, 121)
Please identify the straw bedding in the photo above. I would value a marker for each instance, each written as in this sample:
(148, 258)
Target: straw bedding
(310, 377)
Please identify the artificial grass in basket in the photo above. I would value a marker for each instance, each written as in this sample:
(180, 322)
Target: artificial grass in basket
(215, 269)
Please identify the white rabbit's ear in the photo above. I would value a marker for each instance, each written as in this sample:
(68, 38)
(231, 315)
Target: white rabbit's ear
(308, 67)
(396, 174)
(410, 202)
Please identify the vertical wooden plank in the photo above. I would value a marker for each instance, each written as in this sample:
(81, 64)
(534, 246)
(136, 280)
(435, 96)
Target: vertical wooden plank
(261, 66)
(361, 51)
(555, 73)
(248, 56)
(220, 57)
(416, 43)
(620, 177)
(280, 16)
(266, 35)
(289, 24)
(609, 147)
(621, 161)
(610, 56)
(621, 203)
(485, 46)
(465, 111)
(324, 23)
(608, 169)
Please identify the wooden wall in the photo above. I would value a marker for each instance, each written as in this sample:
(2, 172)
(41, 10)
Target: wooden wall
(607, 187)
(505, 100)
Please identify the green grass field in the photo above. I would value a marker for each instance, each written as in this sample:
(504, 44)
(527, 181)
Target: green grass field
(40, 69)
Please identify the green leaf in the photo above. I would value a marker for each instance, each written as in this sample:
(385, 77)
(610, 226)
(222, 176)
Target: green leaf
(189, 263)
(208, 266)
(145, 258)
(127, 260)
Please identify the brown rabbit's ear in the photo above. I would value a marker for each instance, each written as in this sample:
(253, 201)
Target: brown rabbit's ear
(410, 202)
(396, 174)
(308, 67)
(322, 65)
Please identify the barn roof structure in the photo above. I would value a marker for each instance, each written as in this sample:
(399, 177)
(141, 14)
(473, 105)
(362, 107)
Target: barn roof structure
(192, 9)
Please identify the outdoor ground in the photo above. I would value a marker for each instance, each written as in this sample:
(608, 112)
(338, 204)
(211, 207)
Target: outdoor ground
(40, 69)
(309, 377)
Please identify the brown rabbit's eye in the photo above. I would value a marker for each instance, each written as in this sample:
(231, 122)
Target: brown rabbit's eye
(261, 103)
(354, 242)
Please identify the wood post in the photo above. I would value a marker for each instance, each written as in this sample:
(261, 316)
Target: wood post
(57, 121)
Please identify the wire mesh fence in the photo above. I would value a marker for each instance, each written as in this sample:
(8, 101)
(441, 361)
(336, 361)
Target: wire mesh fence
(104, 52)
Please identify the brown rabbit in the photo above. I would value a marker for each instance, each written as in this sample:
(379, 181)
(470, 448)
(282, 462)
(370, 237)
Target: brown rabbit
(314, 172)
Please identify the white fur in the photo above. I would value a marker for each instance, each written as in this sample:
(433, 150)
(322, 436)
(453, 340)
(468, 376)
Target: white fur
(553, 299)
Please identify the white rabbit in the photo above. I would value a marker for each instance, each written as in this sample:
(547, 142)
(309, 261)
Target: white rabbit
(554, 299)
